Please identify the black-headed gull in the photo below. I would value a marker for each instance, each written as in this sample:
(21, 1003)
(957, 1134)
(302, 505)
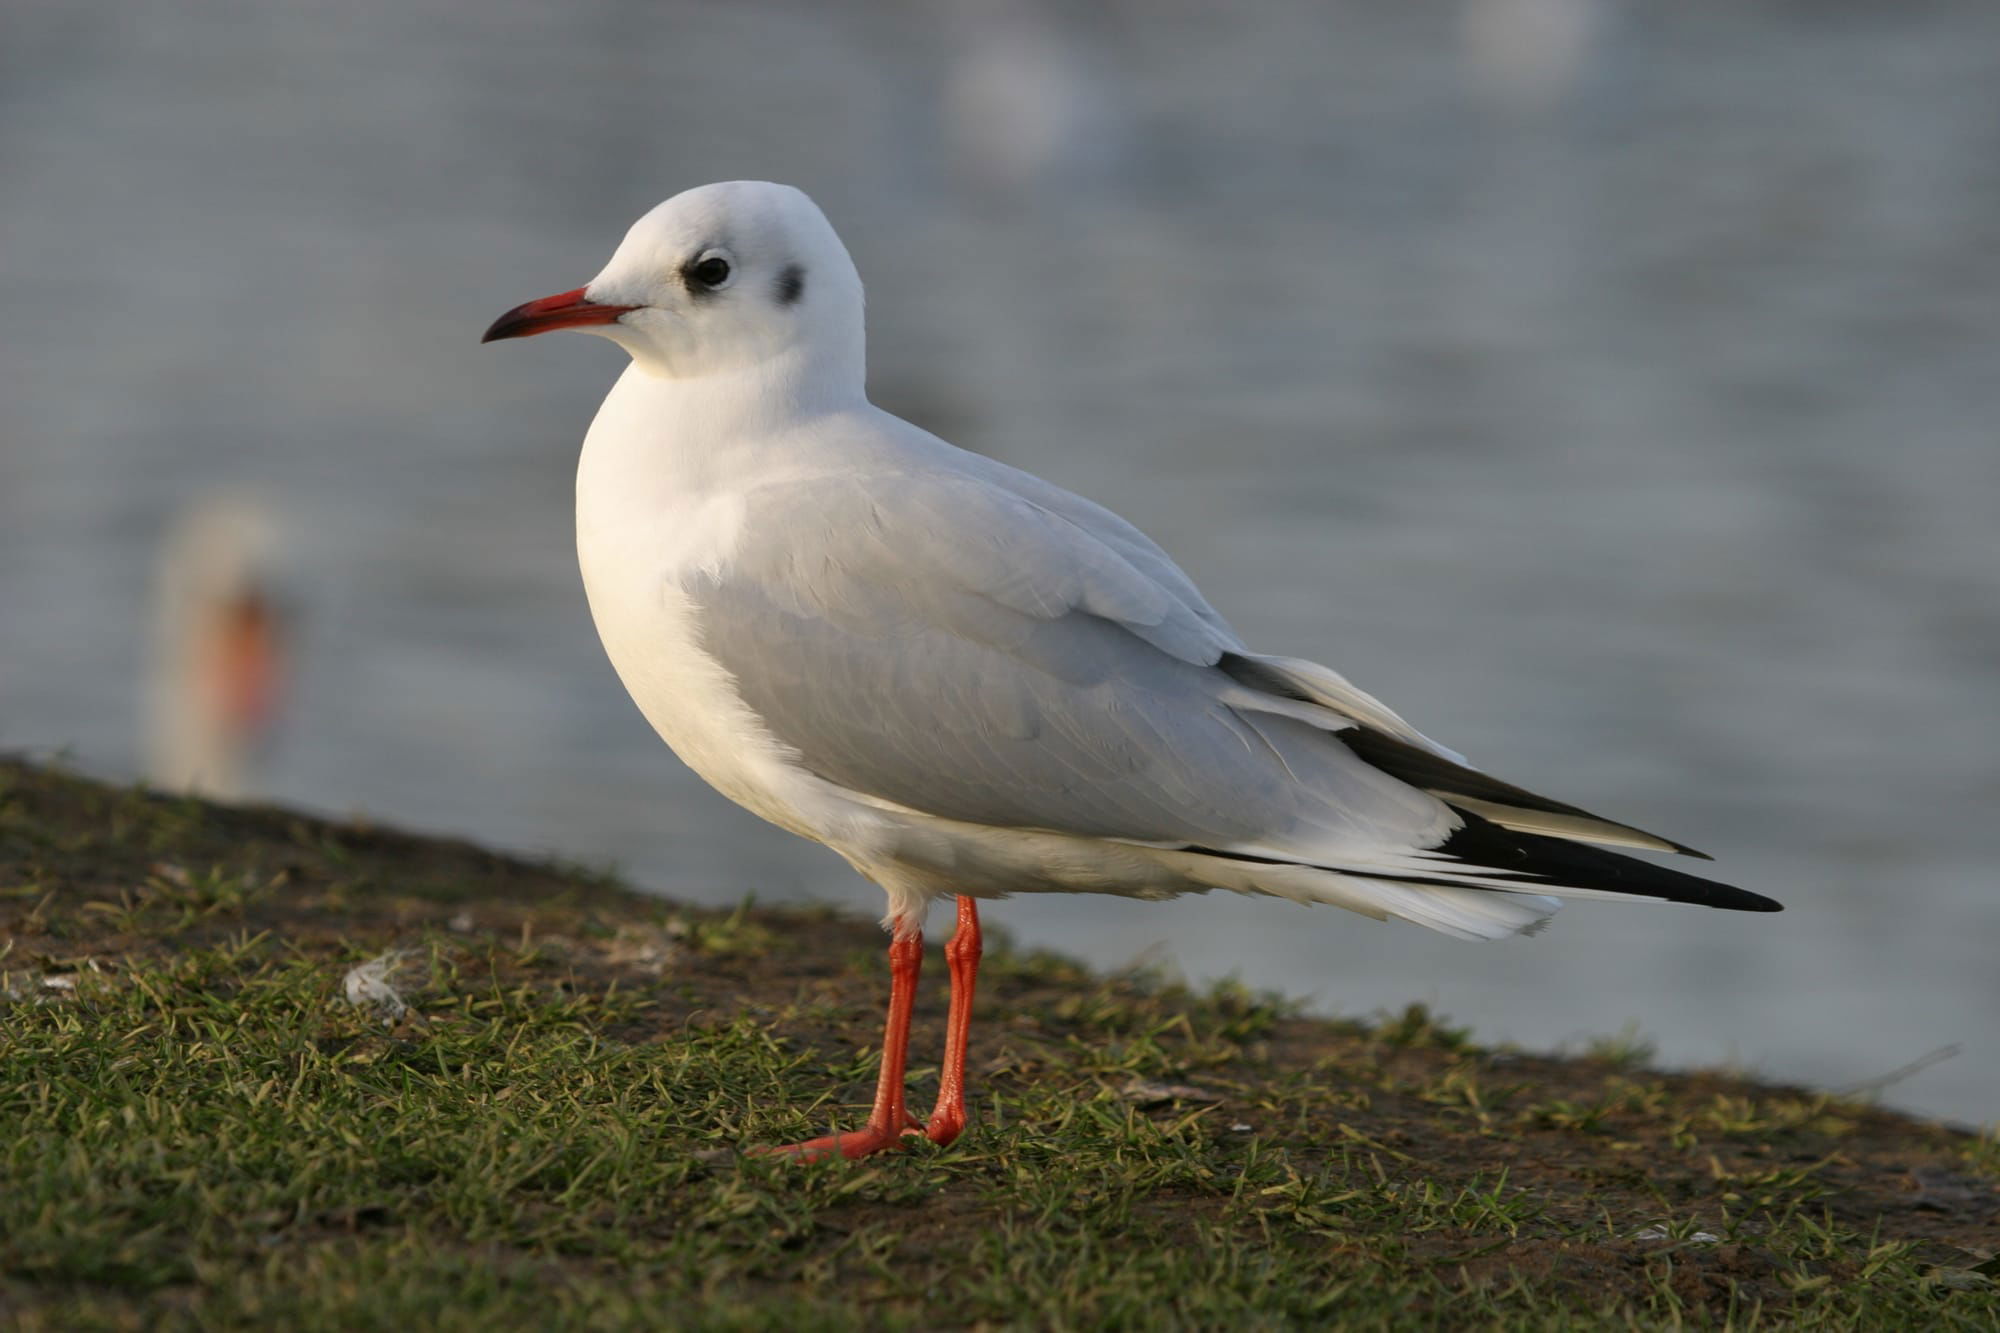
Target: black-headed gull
(966, 680)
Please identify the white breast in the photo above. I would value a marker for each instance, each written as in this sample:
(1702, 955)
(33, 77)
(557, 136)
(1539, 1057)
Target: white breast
(643, 534)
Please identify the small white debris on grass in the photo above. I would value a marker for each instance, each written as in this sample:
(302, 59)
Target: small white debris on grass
(1661, 1233)
(369, 986)
(649, 949)
(36, 988)
(1145, 1092)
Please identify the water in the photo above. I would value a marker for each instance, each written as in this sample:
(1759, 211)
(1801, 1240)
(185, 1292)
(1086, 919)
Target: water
(1628, 423)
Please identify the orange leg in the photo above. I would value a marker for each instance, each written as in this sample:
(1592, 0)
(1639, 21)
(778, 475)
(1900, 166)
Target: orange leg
(962, 956)
(889, 1120)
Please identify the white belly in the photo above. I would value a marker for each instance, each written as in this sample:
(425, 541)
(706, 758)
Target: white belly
(635, 574)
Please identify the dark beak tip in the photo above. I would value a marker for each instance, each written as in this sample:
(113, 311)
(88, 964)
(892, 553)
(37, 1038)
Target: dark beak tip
(510, 325)
(564, 310)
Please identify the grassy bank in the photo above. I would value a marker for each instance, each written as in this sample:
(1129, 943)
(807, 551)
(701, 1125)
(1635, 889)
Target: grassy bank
(519, 1125)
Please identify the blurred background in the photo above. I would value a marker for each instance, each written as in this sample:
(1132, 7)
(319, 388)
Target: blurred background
(1611, 384)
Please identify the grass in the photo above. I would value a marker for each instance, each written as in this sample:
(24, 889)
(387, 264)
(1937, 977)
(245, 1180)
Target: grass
(202, 1130)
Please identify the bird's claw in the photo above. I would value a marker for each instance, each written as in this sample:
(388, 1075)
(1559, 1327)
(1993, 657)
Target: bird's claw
(852, 1144)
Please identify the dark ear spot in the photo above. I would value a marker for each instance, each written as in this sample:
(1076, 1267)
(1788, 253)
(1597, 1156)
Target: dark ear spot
(791, 285)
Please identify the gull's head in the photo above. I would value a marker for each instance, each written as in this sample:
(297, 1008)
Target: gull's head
(718, 279)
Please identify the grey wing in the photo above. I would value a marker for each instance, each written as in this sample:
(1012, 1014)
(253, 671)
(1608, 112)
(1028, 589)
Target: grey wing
(1102, 526)
(952, 647)
(1323, 698)
(1335, 701)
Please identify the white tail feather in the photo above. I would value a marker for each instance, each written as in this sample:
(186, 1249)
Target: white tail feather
(1329, 689)
(1573, 828)
(1468, 913)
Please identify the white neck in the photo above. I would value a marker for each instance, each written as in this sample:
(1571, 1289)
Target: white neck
(660, 442)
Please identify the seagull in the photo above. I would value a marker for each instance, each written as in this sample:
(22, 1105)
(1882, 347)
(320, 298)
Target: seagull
(970, 682)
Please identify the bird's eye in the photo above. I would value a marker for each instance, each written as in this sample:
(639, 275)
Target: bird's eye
(712, 270)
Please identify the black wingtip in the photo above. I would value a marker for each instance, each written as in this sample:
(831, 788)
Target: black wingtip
(1432, 772)
(1555, 863)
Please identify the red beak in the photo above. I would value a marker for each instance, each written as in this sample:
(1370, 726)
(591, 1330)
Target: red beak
(564, 310)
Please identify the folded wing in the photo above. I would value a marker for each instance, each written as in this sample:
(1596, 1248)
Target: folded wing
(948, 646)
(945, 644)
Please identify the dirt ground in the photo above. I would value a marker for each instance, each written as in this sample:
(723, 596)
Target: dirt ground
(1188, 1119)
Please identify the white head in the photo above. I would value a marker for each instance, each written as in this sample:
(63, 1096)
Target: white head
(722, 279)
